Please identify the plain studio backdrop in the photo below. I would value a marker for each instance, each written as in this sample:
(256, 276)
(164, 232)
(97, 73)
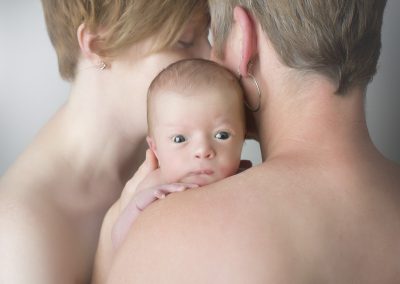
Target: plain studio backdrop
(31, 89)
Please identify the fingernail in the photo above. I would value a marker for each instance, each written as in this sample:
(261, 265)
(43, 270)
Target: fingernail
(160, 195)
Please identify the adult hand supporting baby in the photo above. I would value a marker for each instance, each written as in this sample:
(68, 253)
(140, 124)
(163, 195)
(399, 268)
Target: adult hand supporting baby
(145, 187)
(141, 199)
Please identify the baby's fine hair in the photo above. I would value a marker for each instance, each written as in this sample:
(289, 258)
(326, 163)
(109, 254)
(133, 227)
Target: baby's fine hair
(187, 74)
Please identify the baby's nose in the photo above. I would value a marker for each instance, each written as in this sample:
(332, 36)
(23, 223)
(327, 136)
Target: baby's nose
(205, 152)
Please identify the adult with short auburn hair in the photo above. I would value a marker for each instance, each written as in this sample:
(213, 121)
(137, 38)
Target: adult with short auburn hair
(324, 205)
(54, 197)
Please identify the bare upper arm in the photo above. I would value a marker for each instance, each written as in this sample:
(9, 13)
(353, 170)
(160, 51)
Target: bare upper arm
(31, 249)
(22, 244)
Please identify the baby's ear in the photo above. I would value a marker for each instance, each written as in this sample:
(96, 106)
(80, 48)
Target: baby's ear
(152, 145)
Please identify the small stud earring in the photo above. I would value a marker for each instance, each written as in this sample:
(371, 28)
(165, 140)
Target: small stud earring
(102, 65)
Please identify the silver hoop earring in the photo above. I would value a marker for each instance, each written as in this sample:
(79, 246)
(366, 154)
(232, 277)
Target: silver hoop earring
(257, 108)
(102, 65)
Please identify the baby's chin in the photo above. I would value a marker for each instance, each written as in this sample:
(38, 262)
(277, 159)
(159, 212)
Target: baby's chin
(200, 180)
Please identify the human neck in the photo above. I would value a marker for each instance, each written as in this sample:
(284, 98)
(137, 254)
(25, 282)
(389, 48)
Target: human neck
(314, 122)
(98, 141)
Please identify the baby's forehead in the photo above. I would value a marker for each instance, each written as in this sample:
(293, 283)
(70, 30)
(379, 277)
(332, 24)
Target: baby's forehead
(197, 80)
(176, 111)
(212, 109)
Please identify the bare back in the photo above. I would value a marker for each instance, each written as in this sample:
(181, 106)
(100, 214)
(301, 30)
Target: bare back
(281, 222)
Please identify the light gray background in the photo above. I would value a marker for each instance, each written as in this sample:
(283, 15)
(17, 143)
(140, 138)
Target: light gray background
(31, 90)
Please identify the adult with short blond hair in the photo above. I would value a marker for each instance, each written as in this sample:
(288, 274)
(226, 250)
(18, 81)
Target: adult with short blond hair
(324, 206)
(54, 197)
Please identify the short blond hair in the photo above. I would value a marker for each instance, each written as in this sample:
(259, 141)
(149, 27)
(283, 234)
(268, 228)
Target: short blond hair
(340, 39)
(121, 22)
(184, 75)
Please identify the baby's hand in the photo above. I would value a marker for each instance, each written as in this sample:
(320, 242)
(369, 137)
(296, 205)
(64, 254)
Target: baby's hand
(138, 203)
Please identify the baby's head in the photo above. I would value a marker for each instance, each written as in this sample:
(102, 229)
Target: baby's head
(196, 122)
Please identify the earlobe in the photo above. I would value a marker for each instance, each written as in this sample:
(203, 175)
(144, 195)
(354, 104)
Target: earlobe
(248, 38)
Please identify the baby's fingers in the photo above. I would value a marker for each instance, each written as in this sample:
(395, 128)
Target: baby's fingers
(138, 203)
(164, 190)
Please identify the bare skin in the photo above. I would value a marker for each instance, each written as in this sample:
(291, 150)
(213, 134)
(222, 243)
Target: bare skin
(320, 214)
(54, 198)
(324, 206)
(281, 228)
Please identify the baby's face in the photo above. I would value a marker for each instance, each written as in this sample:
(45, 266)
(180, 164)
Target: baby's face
(198, 138)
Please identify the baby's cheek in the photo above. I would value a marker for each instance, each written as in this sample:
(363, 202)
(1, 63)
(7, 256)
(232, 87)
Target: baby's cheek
(172, 174)
(230, 168)
(171, 177)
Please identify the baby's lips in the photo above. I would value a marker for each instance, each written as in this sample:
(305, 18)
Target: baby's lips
(202, 172)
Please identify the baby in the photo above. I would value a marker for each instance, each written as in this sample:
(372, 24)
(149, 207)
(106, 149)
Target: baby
(196, 129)
(196, 125)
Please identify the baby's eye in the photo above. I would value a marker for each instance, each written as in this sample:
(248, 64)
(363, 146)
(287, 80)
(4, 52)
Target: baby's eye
(223, 135)
(178, 139)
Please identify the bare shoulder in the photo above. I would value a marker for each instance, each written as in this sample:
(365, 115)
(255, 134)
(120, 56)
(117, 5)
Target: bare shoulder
(203, 235)
(268, 225)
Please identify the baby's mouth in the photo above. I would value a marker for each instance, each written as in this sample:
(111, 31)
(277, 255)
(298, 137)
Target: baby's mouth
(202, 172)
(200, 177)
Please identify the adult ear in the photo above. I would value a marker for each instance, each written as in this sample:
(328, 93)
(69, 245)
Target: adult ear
(248, 37)
(87, 40)
(152, 145)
